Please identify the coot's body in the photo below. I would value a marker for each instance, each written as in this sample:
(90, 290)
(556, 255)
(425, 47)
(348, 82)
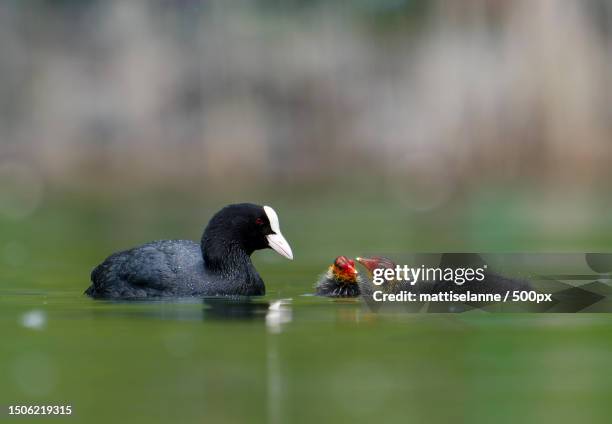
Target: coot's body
(220, 265)
(171, 268)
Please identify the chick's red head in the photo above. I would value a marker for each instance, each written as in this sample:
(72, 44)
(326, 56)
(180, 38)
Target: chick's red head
(344, 269)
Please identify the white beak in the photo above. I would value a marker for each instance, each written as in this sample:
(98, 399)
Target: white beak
(280, 245)
(276, 241)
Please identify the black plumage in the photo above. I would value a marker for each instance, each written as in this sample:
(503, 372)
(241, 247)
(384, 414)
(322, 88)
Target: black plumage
(219, 265)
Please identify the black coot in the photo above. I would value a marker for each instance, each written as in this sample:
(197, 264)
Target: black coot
(219, 265)
(340, 280)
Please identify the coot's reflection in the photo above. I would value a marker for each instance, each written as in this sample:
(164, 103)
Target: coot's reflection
(275, 314)
(234, 309)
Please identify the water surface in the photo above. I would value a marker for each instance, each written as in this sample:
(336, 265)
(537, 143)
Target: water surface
(301, 358)
(285, 357)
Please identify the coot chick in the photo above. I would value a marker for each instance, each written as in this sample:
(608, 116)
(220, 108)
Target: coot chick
(219, 266)
(340, 280)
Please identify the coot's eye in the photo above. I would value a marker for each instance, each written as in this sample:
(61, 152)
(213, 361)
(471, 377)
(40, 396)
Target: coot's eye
(259, 221)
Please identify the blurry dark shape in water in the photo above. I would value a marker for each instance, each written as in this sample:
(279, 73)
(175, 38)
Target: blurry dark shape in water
(493, 283)
(601, 263)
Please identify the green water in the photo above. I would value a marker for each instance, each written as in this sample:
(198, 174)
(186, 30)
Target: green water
(318, 360)
(287, 357)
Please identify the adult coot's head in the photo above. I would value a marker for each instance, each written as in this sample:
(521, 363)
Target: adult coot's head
(245, 226)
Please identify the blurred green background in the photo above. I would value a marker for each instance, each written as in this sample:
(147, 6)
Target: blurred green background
(370, 126)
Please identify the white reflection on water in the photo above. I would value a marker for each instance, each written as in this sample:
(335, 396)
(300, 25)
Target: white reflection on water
(34, 319)
(279, 313)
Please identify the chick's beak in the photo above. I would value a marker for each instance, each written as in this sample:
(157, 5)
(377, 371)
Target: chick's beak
(280, 245)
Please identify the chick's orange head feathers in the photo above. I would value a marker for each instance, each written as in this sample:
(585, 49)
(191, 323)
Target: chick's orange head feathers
(344, 269)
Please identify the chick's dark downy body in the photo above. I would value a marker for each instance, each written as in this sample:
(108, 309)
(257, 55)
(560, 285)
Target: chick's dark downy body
(219, 265)
(331, 286)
